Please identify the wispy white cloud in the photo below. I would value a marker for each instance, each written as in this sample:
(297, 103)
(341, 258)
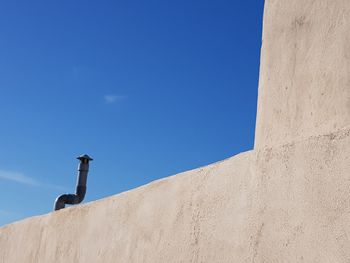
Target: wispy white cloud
(112, 98)
(26, 180)
(18, 177)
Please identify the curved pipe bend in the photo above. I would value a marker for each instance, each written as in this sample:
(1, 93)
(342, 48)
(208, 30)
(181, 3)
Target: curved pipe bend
(80, 191)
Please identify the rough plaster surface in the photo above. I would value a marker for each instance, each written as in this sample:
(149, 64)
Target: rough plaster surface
(287, 203)
(304, 87)
(198, 216)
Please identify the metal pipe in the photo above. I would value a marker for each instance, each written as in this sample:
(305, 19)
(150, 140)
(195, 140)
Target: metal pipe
(80, 190)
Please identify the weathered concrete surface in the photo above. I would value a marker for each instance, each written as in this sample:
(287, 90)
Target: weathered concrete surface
(280, 204)
(304, 87)
(301, 204)
(286, 201)
(198, 216)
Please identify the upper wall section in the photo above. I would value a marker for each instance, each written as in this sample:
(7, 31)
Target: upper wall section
(304, 87)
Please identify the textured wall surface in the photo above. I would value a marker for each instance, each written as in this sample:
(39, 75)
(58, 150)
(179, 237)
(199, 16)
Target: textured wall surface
(197, 216)
(281, 204)
(304, 87)
(288, 200)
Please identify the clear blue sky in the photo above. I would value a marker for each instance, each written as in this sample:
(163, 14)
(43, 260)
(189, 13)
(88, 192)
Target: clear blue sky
(147, 88)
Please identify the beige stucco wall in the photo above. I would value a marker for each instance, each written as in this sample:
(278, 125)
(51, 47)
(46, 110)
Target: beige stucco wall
(288, 200)
(187, 218)
(304, 85)
(281, 204)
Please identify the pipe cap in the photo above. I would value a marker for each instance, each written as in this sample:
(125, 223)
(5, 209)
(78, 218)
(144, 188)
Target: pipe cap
(84, 157)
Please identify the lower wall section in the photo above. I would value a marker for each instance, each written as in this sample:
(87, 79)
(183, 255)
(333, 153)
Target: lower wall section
(284, 204)
(197, 216)
(303, 201)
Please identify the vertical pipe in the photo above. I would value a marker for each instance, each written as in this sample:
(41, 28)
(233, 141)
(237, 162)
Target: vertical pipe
(80, 190)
